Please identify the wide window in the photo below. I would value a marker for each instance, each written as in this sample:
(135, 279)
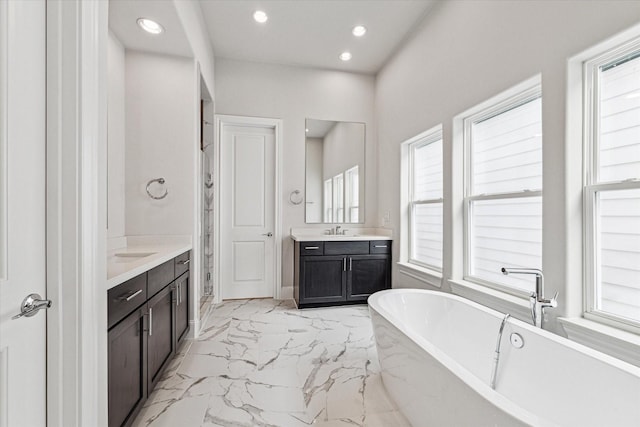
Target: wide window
(425, 199)
(612, 184)
(503, 190)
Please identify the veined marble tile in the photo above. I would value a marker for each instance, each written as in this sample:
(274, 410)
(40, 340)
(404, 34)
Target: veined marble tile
(263, 363)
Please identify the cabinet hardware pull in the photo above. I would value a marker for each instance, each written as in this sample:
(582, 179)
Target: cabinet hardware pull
(380, 246)
(185, 262)
(180, 293)
(131, 295)
(177, 294)
(150, 321)
(350, 263)
(312, 247)
(344, 264)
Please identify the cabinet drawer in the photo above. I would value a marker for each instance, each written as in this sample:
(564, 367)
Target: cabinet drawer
(380, 247)
(311, 248)
(346, 248)
(182, 263)
(125, 298)
(159, 277)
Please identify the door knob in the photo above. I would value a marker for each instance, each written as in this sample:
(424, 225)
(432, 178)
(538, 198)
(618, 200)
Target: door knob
(31, 305)
(269, 234)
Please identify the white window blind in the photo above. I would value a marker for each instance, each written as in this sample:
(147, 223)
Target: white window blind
(503, 203)
(425, 210)
(613, 188)
(352, 195)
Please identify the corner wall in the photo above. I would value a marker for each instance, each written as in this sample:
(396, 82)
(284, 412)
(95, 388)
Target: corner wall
(294, 94)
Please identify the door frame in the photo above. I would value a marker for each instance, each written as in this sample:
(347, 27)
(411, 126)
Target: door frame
(76, 152)
(221, 121)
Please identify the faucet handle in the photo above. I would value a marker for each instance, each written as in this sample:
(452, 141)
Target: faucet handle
(554, 301)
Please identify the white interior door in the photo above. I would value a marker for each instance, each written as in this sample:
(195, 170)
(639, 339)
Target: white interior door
(22, 211)
(247, 206)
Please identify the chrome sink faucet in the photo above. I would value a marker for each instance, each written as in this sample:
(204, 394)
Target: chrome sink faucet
(537, 301)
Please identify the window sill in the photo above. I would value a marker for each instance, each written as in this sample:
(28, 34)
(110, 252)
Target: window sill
(431, 277)
(492, 298)
(612, 341)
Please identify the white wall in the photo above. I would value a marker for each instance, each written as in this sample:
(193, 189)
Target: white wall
(116, 137)
(161, 104)
(466, 52)
(294, 94)
(313, 186)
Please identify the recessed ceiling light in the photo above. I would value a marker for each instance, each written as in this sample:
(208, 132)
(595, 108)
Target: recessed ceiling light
(359, 31)
(306, 130)
(260, 16)
(150, 26)
(345, 56)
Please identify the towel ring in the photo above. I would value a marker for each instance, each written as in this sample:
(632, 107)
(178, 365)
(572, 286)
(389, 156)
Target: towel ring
(295, 198)
(161, 182)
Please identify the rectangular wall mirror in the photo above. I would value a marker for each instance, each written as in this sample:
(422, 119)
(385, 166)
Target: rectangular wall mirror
(334, 171)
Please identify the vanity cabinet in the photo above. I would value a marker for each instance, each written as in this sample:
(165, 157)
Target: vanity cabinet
(340, 272)
(148, 317)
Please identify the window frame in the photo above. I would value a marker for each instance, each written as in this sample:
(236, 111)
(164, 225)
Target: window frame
(591, 185)
(431, 136)
(527, 92)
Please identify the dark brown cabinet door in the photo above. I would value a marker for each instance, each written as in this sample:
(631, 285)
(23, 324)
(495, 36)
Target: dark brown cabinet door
(127, 368)
(367, 274)
(161, 334)
(182, 307)
(322, 279)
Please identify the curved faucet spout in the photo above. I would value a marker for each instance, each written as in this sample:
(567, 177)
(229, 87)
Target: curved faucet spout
(537, 299)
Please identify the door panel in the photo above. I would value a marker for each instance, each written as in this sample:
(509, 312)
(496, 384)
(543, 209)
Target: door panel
(127, 368)
(322, 279)
(182, 307)
(22, 211)
(367, 274)
(247, 211)
(161, 334)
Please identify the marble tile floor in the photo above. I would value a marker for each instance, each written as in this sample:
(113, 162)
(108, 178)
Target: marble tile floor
(264, 363)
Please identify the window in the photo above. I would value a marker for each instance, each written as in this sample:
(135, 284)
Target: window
(338, 198)
(352, 194)
(612, 184)
(328, 201)
(425, 199)
(503, 189)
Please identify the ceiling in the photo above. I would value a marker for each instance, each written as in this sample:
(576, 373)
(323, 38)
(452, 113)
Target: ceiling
(123, 15)
(308, 33)
(312, 33)
(318, 128)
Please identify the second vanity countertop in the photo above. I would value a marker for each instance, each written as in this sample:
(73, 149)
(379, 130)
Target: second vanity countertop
(356, 234)
(140, 254)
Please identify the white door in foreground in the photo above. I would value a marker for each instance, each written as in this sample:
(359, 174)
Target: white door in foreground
(22, 211)
(247, 206)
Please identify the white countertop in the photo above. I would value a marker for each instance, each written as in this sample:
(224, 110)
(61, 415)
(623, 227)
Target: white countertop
(355, 234)
(121, 266)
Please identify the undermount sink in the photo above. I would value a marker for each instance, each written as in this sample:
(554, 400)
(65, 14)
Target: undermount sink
(130, 256)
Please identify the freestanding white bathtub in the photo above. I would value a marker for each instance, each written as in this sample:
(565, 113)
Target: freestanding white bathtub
(436, 354)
